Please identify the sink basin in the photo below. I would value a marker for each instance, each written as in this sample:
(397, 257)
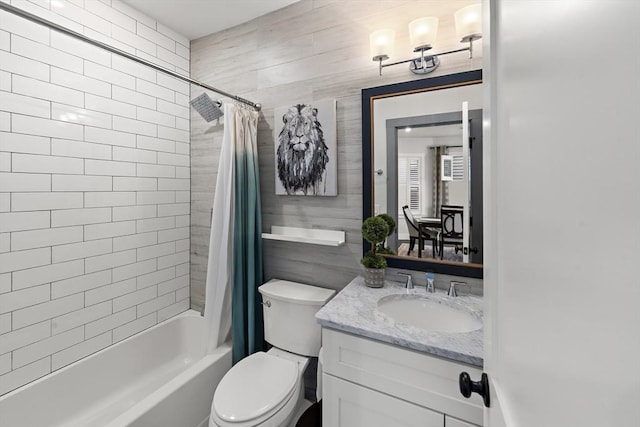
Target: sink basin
(427, 314)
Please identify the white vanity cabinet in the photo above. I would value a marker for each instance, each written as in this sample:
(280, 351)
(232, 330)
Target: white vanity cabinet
(367, 383)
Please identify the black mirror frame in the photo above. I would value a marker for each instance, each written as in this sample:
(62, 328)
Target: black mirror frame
(368, 96)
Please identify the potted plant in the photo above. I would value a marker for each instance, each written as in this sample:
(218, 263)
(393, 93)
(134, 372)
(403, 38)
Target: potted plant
(375, 231)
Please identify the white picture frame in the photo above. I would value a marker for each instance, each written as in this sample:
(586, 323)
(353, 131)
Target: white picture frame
(306, 154)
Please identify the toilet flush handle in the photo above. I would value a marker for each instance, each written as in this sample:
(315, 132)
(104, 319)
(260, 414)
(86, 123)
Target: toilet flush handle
(267, 303)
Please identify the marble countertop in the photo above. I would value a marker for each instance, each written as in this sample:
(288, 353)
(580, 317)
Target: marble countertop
(354, 310)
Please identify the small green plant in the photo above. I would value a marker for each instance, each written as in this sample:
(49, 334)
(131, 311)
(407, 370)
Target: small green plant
(373, 261)
(374, 230)
(391, 223)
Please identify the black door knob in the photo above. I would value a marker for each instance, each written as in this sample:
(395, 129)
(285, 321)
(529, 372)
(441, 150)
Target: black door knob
(481, 387)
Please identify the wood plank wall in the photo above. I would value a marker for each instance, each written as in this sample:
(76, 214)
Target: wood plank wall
(309, 51)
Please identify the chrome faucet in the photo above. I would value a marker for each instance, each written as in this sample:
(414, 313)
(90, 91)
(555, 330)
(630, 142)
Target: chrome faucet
(452, 288)
(409, 283)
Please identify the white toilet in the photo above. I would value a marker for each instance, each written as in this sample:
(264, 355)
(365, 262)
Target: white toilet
(267, 389)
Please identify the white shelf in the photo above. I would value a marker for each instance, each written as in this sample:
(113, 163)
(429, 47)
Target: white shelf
(306, 235)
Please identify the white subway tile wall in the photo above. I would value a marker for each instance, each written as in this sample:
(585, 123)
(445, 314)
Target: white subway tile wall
(94, 184)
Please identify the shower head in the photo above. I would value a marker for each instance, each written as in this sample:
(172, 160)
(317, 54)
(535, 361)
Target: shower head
(208, 109)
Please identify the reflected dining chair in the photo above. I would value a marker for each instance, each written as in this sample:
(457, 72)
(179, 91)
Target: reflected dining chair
(414, 232)
(451, 220)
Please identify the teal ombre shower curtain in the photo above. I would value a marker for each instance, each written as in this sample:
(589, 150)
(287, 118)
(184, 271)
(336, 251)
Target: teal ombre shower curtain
(234, 269)
(247, 325)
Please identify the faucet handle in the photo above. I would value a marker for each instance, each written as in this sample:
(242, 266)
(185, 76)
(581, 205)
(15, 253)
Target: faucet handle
(409, 282)
(453, 292)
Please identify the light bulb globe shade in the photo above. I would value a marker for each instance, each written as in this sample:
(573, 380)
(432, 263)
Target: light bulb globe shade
(423, 31)
(381, 44)
(469, 22)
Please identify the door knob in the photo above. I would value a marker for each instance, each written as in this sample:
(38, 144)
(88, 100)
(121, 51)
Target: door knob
(481, 387)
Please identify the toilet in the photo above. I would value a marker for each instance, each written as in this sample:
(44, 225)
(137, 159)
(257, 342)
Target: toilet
(266, 389)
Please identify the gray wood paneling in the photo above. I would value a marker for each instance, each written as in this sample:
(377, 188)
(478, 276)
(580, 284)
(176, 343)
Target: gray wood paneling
(309, 51)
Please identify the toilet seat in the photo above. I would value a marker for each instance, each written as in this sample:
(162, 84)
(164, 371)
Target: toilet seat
(254, 390)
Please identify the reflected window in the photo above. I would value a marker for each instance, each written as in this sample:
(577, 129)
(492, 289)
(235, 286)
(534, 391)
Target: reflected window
(410, 183)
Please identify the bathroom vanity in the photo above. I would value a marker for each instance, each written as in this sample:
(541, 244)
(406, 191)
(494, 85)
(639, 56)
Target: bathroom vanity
(380, 371)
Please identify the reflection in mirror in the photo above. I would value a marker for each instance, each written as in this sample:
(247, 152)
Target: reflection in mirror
(428, 170)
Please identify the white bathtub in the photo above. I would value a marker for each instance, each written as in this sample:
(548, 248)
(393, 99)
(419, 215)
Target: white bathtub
(157, 378)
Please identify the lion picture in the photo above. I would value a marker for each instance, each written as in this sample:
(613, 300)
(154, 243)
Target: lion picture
(306, 150)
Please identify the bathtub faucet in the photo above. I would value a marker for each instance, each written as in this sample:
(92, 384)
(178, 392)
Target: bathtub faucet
(202, 311)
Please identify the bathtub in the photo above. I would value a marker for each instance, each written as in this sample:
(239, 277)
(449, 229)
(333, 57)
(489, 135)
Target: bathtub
(157, 378)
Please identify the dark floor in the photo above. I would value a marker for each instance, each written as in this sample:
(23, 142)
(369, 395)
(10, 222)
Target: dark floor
(312, 417)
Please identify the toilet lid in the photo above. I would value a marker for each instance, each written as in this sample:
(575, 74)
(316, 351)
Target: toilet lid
(254, 386)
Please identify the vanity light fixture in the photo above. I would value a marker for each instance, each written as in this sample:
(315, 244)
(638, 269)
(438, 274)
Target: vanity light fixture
(422, 32)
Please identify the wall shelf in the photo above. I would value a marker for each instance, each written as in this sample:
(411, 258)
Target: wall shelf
(306, 235)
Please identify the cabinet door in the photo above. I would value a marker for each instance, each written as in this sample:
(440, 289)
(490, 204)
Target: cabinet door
(453, 422)
(411, 376)
(349, 405)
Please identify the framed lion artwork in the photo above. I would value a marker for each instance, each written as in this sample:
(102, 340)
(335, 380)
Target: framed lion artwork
(306, 149)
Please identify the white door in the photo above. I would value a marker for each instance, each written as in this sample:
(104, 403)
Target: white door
(562, 213)
(465, 176)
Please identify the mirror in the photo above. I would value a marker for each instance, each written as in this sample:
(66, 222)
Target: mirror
(414, 156)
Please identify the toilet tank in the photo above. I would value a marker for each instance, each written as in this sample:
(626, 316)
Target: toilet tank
(289, 315)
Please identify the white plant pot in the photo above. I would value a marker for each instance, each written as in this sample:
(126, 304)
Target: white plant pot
(374, 277)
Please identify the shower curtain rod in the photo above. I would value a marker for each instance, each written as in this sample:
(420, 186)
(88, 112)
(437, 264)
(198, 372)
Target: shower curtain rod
(34, 18)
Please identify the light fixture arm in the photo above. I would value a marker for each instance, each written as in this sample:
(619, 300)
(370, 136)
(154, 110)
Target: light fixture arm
(380, 58)
(425, 64)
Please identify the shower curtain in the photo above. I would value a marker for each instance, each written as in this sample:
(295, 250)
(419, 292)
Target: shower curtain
(247, 325)
(439, 188)
(219, 283)
(235, 247)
